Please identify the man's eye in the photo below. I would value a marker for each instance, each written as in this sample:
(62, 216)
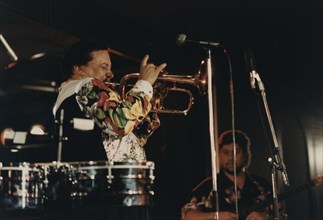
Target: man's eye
(107, 68)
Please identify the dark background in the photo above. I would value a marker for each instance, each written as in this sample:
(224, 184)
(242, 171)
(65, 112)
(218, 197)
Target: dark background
(286, 37)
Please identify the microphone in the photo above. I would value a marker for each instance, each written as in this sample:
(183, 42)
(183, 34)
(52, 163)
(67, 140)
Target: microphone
(182, 39)
(250, 63)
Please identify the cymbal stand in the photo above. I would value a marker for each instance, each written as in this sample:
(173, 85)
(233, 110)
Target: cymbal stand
(275, 161)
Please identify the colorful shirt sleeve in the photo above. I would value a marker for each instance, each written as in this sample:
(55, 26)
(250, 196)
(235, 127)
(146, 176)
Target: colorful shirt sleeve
(116, 117)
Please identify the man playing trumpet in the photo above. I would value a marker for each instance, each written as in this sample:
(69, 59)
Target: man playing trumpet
(84, 94)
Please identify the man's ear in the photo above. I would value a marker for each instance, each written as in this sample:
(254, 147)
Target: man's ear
(77, 70)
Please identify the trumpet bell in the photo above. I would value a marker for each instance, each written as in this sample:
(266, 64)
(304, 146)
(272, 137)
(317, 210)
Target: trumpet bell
(201, 79)
(161, 90)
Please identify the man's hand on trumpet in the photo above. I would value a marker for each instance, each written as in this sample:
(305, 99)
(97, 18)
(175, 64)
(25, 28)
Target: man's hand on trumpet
(149, 71)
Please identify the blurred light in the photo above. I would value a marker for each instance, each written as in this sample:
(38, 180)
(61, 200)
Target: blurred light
(37, 130)
(7, 133)
(37, 55)
(315, 153)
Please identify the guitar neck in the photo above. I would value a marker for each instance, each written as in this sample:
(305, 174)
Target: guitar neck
(295, 190)
(282, 196)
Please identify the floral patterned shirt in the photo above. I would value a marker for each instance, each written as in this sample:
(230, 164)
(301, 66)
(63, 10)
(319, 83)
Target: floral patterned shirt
(255, 190)
(117, 118)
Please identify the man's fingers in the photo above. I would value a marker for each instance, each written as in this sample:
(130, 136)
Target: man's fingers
(144, 61)
(161, 67)
(144, 64)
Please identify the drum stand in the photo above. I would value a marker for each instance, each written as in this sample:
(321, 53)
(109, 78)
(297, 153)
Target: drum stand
(275, 161)
(61, 138)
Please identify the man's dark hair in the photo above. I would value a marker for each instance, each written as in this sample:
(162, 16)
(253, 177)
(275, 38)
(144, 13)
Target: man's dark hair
(80, 54)
(241, 139)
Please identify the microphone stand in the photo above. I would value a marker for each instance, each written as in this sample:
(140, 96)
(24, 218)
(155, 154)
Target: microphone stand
(213, 130)
(275, 161)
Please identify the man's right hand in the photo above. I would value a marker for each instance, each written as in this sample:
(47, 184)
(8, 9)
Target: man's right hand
(149, 71)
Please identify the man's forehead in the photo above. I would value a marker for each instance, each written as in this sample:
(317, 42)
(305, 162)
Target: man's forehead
(230, 146)
(100, 55)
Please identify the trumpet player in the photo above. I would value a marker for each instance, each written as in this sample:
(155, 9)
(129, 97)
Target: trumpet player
(121, 127)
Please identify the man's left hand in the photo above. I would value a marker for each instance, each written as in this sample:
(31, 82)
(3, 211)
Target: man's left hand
(257, 216)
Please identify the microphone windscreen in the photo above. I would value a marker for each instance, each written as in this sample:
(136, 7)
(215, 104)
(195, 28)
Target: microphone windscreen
(180, 40)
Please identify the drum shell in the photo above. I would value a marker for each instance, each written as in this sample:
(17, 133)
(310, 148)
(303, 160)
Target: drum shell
(59, 183)
(97, 183)
(131, 183)
(21, 186)
(113, 184)
(90, 185)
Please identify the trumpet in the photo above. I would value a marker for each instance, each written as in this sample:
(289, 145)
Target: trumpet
(161, 91)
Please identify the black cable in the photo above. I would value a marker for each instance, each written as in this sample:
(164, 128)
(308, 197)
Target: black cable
(231, 87)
